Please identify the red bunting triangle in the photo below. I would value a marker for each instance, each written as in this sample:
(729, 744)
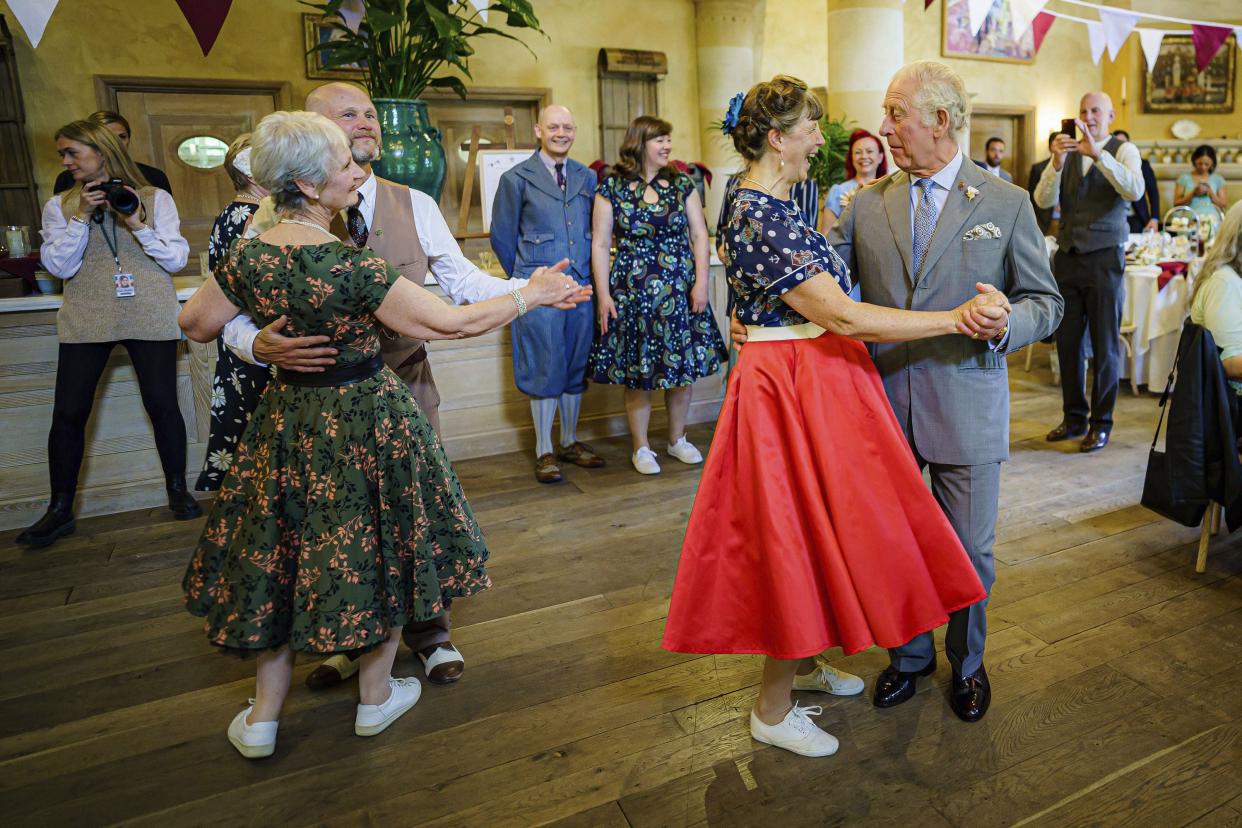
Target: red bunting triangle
(1040, 26)
(206, 17)
(1208, 40)
(927, 4)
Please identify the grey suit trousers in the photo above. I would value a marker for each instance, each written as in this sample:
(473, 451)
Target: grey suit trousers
(969, 496)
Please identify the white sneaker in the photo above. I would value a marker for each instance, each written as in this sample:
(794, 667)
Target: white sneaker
(254, 741)
(828, 679)
(373, 719)
(797, 733)
(685, 451)
(645, 461)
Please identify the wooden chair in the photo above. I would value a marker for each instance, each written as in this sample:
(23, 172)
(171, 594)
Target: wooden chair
(1210, 527)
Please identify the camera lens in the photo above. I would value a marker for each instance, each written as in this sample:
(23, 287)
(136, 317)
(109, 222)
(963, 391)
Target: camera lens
(123, 201)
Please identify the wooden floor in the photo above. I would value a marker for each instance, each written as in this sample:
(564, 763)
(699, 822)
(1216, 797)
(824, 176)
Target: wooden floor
(1117, 675)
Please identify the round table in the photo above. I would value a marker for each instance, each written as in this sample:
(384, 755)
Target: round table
(1157, 315)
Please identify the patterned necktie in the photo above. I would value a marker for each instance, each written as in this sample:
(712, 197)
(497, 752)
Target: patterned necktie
(924, 221)
(560, 174)
(356, 224)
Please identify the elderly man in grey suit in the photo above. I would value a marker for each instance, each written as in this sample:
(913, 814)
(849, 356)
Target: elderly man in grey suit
(923, 239)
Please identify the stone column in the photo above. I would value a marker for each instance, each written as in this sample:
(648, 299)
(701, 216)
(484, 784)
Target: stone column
(725, 49)
(865, 48)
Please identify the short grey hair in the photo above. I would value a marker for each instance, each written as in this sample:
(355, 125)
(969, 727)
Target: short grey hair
(938, 87)
(288, 146)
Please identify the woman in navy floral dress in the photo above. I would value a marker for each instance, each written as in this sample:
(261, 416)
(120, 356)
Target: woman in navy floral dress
(237, 385)
(656, 329)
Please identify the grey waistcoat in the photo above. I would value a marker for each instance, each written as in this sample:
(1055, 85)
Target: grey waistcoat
(1093, 215)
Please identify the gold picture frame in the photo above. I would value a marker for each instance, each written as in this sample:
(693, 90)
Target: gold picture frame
(1175, 85)
(995, 41)
(314, 32)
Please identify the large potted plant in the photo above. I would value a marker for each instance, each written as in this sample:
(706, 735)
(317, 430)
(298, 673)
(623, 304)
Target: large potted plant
(402, 46)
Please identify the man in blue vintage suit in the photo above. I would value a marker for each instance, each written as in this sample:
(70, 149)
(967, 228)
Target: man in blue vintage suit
(542, 214)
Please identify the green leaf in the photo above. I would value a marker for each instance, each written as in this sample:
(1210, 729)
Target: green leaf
(450, 82)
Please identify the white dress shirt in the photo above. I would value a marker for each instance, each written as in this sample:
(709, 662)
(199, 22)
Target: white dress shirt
(64, 241)
(460, 279)
(1124, 172)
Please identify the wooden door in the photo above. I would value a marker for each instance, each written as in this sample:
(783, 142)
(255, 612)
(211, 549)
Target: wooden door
(162, 119)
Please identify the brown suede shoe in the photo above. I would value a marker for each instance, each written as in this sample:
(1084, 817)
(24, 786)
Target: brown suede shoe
(580, 454)
(546, 470)
(444, 665)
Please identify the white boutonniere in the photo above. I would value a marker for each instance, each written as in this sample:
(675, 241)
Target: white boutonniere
(971, 192)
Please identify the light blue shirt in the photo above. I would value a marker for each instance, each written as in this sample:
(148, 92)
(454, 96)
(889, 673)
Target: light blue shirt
(944, 181)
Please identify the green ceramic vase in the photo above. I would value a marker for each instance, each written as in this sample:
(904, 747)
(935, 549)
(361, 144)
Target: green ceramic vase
(412, 153)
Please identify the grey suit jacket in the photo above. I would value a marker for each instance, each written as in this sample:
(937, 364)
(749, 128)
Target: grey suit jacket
(951, 392)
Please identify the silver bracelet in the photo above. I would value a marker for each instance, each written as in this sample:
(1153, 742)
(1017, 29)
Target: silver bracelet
(519, 301)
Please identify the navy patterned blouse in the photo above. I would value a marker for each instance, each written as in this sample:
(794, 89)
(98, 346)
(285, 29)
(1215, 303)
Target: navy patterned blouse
(769, 250)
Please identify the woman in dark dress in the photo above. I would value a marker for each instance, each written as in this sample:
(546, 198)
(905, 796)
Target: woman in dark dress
(340, 519)
(656, 329)
(237, 385)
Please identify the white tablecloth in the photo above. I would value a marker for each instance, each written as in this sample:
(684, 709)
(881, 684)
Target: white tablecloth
(1157, 315)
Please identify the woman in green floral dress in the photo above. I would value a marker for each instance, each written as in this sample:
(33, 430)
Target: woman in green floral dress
(340, 519)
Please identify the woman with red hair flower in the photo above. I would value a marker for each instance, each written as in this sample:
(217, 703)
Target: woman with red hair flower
(864, 164)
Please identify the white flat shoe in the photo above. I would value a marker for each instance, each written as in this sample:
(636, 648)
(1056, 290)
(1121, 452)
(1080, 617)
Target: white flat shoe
(797, 733)
(685, 451)
(645, 461)
(254, 741)
(373, 719)
(828, 679)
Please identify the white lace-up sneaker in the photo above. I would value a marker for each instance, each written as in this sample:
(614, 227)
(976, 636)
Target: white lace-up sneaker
(685, 451)
(797, 733)
(373, 719)
(828, 679)
(645, 461)
(254, 741)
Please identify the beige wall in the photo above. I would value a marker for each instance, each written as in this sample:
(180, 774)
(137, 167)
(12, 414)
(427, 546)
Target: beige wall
(89, 37)
(793, 41)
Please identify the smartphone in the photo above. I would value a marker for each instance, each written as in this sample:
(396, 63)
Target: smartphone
(1068, 127)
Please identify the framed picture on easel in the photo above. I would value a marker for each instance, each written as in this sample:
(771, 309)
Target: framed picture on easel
(493, 163)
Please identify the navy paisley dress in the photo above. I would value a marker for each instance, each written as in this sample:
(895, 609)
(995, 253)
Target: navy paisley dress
(655, 342)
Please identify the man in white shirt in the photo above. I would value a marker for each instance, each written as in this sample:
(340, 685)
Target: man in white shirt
(414, 239)
(1095, 178)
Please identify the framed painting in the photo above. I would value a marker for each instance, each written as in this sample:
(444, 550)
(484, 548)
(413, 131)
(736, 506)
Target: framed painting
(995, 40)
(315, 32)
(1175, 85)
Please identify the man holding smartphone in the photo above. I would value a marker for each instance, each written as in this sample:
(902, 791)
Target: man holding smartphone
(1094, 178)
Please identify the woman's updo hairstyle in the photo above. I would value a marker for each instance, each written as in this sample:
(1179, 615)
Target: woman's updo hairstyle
(777, 104)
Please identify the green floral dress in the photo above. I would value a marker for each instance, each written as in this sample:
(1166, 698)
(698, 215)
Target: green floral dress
(340, 516)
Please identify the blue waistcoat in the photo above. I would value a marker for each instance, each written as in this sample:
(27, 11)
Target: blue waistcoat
(536, 224)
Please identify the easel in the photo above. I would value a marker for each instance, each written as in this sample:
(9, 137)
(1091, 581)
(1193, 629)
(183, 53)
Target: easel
(467, 187)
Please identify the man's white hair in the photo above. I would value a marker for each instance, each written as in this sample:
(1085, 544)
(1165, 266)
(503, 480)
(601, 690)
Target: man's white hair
(938, 87)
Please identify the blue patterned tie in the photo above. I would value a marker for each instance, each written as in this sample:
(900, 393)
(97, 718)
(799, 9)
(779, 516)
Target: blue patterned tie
(924, 221)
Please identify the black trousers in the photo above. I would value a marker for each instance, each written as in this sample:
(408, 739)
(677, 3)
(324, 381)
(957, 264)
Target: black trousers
(1093, 287)
(77, 375)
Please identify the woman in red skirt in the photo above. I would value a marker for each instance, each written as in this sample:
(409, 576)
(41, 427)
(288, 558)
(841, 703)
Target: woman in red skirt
(812, 527)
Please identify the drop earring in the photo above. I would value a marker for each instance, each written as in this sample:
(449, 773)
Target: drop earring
(782, 154)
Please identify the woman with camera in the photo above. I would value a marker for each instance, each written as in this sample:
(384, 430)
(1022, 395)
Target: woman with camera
(115, 241)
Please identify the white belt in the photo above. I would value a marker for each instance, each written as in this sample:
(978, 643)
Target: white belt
(807, 330)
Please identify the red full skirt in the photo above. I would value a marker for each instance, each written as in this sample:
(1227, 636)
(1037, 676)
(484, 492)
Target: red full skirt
(812, 527)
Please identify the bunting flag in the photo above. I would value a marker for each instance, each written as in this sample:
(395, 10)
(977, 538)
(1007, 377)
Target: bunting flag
(1041, 25)
(978, 14)
(1117, 27)
(1095, 34)
(1151, 40)
(1024, 13)
(205, 17)
(1208, 40)
(32, 16)
(927, 4)
(481, 6)
(352, 12)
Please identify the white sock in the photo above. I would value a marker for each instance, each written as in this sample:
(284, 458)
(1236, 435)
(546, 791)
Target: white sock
(543, 410)
(570, 405)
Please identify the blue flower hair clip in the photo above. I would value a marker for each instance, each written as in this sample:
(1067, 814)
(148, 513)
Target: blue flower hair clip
(729, 123)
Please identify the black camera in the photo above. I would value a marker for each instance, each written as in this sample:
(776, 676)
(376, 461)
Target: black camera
(121, 199)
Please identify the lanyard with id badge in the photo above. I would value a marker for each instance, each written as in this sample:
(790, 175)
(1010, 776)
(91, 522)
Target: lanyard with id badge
(123, 282)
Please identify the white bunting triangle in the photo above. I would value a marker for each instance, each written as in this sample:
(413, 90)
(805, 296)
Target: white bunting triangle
(1024, 13)
(1095, 35)
(1151, 40)
(32, 16)
(481, 5)
(352, 12)
(1117, 27)
(978, 13)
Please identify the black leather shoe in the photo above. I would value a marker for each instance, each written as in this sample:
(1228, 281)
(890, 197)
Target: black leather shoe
(1096, 439)
(181, 502)
(892, 687)
(1065, 431)
(971, 695)
(57, 522)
